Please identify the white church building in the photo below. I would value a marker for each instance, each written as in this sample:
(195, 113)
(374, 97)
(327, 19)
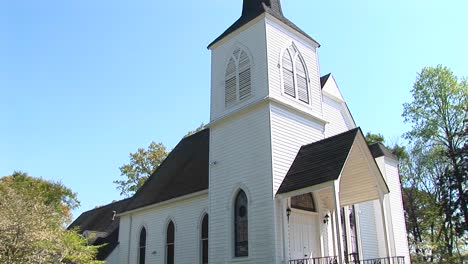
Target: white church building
(282, 174)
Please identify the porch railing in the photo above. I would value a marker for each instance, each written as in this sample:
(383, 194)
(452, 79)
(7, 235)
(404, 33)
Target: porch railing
(334, 260)
(322, 260)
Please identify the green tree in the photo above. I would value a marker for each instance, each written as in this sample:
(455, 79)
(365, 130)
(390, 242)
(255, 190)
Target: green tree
(141, 166)
(438, 115)
(55, 194)
(32, 224)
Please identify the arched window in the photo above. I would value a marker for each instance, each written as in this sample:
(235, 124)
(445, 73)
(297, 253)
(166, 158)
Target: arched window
(204, 240)
(295, 81)
(238, 78)
(304, 202)
(241, 232)
(142, 247)
(170, 243)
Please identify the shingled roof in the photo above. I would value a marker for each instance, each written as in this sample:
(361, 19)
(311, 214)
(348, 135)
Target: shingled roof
(102, 222)
(324, 79)
(254, 8)
(379, 150)
(319, 162)
(184, 171)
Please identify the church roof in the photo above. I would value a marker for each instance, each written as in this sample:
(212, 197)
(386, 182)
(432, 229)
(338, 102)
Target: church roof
(324, 79)
(319, 162)
(184, 171)
(102, 222)
(379, 150)
(252, 9)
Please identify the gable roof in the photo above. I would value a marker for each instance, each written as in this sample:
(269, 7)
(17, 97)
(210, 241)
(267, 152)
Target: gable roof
(184, 171)
(378, 150)
(319, 162)
(254, 8)
(103, 223)
(324, 79)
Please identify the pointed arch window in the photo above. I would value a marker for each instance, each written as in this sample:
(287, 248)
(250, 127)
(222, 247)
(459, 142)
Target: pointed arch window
(204, 240)
(170, 243)
(238, 84)
(294, 71)
(241, 224)
(142, 247)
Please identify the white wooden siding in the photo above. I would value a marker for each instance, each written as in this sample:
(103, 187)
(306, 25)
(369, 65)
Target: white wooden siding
(335, 114)
(186, 215)
(279, 38)
(251, 40)
(113, 257)
(368, 231)
(240, 157)
(398, 229)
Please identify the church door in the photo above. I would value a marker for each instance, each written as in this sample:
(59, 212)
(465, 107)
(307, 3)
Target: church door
(304, 237)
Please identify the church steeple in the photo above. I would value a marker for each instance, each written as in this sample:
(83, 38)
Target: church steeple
(257, 7)
(254, 8)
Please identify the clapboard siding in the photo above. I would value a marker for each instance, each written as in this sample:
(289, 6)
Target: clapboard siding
(367, 225)
(396, 209)
(240, 158)
(335, 114)
(289, 131)
(280, 38)
(186, 215)
(251, 40)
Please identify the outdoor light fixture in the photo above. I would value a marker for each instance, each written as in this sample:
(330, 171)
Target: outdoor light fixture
(325, 219)
(288, 212)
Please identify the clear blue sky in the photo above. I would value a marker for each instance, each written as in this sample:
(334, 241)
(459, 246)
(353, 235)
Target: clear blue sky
(84, 83)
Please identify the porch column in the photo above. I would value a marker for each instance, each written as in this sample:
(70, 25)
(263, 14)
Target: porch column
(384, 223)
(339, 231)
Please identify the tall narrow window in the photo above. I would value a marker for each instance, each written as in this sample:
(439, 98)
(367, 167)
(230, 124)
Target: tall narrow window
(204, 240)
(170, 243)
(238, 78)
(241, 232)
(354, 252)
(294, 71)
(142, 247)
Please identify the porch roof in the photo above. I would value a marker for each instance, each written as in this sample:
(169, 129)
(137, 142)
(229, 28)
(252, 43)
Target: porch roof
(329, 159)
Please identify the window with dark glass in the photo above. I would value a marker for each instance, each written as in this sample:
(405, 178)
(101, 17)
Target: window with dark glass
(204, 240)
(354, 253)
(142, 247)
(304, 202)
(241, 233)
(170, 243)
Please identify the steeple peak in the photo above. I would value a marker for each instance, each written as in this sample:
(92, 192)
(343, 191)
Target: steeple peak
(257, 7)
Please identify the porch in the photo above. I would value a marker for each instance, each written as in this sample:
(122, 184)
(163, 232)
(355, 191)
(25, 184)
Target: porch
(334, 205)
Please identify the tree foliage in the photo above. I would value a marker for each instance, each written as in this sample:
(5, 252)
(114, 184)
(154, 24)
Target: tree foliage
(32, 223)
(435, 178)
(141, 166)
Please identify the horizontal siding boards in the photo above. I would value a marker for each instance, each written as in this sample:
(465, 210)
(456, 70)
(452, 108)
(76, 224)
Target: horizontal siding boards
(289, 132)
(396, 208)
(368, 230)
(278, 39)
(333, 112)
(185, 214)
(240, 157)
(253, 38)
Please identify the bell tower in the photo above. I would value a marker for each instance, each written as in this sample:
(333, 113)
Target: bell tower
(265, 104)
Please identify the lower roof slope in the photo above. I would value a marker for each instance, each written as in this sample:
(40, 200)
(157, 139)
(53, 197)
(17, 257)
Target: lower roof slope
(319, 162)
(184, 171)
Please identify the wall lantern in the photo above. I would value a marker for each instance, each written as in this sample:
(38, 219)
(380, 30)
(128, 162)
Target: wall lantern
(288, 212)
(325, 219)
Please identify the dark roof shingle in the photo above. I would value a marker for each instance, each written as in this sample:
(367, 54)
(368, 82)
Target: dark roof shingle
(379, 150)
(184, 171)
(319, 162)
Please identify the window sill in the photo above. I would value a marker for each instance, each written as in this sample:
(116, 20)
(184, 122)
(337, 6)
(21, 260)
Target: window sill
(239, 259)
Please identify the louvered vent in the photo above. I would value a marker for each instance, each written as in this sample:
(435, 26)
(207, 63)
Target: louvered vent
(231, 83)
(288, 76)
(295, 81)
(302, 91)
(238, 78)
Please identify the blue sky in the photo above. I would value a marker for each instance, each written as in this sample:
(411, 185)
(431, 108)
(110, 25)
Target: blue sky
(84, 83)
